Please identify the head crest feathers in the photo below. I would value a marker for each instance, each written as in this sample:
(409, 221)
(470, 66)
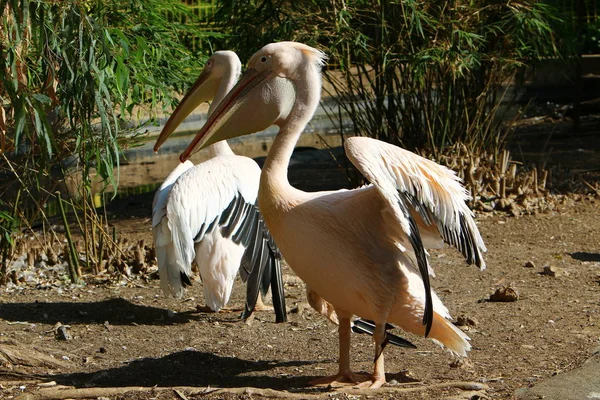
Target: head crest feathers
(317, 56)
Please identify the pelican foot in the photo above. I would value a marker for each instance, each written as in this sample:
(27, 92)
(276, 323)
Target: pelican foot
(371, 383)
(263, 307)
(346, 379)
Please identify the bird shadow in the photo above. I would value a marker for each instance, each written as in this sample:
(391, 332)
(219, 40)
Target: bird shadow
(585, 256)
(188, 368)
(116, 311)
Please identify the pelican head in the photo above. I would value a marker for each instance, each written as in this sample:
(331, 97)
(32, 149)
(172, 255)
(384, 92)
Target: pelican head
(221, 64)
(265, 95)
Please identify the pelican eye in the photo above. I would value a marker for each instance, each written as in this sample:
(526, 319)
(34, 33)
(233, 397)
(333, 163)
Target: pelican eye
(263, 59)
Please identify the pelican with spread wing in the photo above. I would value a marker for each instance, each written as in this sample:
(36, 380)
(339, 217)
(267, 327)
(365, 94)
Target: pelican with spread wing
(362, 251)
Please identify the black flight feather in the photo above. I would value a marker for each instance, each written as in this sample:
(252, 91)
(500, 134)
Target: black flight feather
(417, 244)
(366, 326)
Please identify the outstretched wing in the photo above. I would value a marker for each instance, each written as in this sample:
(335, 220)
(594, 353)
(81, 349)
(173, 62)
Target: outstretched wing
(412, 183)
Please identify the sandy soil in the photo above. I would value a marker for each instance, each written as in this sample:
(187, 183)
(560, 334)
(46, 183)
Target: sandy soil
(124, 334)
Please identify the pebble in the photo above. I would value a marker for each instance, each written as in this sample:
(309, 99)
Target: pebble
(505, 294)
(529, 264)
(62, 333)
(299, 308)
(554, 271)
(463, 320)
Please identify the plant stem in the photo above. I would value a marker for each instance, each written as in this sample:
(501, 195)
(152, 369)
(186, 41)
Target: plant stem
(73, 269)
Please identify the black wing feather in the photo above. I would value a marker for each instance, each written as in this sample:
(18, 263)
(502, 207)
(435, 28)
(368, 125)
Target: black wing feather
(417, 244)
(277, 291)
(365, 326)
(260, 265)
(463, 240)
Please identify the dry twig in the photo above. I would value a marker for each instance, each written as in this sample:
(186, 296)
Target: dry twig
(64, 392)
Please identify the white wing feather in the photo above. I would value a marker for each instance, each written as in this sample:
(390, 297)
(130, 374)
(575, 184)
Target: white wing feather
(194, 201)
(434, 191)
(159, 209)
(161, 234)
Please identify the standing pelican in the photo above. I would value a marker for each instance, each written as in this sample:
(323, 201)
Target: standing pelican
(360, 250)
(207, 212)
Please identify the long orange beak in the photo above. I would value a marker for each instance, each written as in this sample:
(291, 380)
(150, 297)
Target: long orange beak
(202, 90)
(241, 112)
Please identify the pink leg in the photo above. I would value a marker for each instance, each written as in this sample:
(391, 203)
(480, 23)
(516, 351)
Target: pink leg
(378, 378)
(261, 306)
(344, 374)
(379, 369)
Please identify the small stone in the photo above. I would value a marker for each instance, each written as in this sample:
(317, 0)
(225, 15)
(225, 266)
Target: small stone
(528, 346)
(554, 271)
(463, 320)
(63, 334)
(529, 264)
(463, 363)
(505, 294)
(299, 308)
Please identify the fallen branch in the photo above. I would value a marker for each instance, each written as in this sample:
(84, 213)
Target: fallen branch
(63, 392)
(19, 355)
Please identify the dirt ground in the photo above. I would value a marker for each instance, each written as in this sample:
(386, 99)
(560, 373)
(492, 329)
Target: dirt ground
(126, 334)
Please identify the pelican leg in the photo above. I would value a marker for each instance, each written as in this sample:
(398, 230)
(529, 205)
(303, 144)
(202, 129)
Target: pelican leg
(344, 374)
(378, 378)
(379, 369)
(261, 306)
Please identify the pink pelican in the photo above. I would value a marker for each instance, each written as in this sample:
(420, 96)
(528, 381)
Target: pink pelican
(208, 212)
(361, 250)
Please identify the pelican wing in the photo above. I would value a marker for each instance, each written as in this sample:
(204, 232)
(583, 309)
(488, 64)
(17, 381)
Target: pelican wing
(432, 190)
(410, 182)
(171, 278)
(216, 194)
(261, 264)
(159, 204)
(220, 194)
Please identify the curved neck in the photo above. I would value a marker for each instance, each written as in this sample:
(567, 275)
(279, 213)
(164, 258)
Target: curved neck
(220, 149)
(308, 94)
(227, 82)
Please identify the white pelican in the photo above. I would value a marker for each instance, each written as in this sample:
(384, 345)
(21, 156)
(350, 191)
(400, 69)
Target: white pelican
(360, 250)
(207, 212)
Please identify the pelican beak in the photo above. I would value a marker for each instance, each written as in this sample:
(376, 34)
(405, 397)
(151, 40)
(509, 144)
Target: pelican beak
(204, 89)
(251, 106)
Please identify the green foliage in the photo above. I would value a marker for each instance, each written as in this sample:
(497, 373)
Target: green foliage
(77, 78)
(249, 25)
(422, 74)
(577, 25)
